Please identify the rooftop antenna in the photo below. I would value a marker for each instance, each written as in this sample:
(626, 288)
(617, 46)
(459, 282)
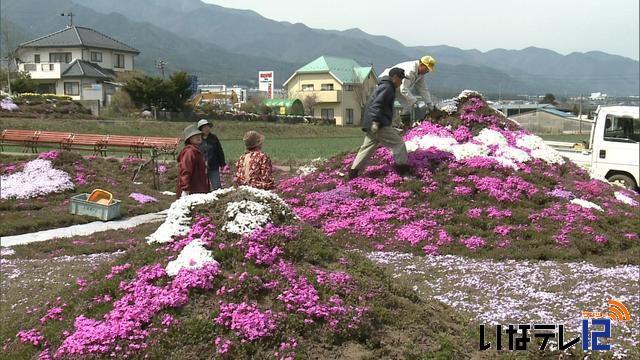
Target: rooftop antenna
(70, 15)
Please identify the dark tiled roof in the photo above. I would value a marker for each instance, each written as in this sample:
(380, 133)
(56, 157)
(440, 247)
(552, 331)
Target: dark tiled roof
(79, 36)
(82, 68)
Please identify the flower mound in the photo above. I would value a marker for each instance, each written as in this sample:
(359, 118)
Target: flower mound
(38, 178)
(477, 175)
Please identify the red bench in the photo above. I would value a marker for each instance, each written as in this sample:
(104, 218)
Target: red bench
(96, 142)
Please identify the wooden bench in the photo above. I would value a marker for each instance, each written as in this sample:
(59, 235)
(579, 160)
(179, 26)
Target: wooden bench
(99, 144)
(18, 137)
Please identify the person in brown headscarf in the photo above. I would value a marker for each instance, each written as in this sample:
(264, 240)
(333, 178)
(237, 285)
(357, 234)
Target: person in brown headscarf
(254, 167)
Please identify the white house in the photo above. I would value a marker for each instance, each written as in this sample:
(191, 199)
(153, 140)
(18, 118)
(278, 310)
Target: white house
(77, 61)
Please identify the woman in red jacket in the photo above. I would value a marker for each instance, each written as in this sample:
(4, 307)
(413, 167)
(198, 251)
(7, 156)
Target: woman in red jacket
(192, 176)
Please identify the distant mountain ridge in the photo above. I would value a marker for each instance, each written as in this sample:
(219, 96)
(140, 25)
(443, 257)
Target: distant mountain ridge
(229, 46)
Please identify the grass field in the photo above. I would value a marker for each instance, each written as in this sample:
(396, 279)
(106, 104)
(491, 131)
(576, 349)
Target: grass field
(574, 138)
(286, 144)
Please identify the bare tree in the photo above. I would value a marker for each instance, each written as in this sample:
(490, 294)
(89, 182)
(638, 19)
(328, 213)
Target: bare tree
(10, 46)
(362, 90)
(309, 102)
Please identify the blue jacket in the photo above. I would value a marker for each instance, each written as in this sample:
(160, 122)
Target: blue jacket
(380, 106)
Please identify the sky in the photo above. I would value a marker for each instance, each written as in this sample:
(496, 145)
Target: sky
(564, 26)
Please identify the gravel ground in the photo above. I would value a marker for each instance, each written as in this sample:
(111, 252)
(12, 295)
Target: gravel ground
(28, 283)
(524, 292)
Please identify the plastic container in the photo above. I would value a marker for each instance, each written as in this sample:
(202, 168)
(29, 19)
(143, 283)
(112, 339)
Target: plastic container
(80, 206)
(100, 196)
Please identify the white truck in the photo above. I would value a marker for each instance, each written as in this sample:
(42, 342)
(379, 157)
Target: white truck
(614, 147)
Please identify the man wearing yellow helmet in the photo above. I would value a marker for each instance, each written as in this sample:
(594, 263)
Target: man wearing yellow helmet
(414, 82)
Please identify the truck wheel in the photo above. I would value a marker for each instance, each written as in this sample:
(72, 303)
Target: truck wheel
(623, 180)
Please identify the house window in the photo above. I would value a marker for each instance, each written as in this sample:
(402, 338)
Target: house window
(96, 56)
(307, 87)
(327, 114)
(72, 88)
(60, 57)
(36, 58)
(349, 116)
(348, 87)
(46, 67)
(326, 87)
(623, 129)
(119, 61)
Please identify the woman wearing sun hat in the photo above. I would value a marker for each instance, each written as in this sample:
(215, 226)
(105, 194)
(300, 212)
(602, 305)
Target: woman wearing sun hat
(212, 152)
(192, 172)
(254, 167)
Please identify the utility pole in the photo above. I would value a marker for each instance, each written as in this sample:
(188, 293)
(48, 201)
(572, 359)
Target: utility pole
(8, 74)
(161, 64)
(580, 115)
(70, 15)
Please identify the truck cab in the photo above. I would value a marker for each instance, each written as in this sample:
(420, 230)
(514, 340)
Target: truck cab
(615, 145)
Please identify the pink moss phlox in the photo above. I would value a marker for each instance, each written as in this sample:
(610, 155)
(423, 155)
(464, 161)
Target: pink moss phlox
(246, 320)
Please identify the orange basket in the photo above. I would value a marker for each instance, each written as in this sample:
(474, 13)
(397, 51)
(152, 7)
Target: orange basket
(100, 196)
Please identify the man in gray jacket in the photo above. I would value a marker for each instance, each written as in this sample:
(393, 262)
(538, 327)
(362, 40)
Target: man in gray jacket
(414, 82)
(376, 122)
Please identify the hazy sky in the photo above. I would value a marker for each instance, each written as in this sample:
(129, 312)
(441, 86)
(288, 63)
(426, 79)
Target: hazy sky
(561, 25)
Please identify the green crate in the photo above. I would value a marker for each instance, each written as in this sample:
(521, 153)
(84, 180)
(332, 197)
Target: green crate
(80, 206)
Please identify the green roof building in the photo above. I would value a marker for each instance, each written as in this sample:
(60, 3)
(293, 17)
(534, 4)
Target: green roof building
(333, 88)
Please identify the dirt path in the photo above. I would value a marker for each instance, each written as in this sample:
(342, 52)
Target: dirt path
(524, 292)
(82, 230)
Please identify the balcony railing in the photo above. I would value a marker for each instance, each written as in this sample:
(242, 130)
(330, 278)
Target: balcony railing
(44, 70)
(325, 96)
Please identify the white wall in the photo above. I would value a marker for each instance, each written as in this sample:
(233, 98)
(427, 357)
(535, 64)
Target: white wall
(27, 54)
(108, 56)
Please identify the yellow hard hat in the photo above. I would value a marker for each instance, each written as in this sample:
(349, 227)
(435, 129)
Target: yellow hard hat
(429, 62)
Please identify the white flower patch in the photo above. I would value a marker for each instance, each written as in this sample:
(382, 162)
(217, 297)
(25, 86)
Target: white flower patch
(625, 199)
(548, 155)
(193, 256)
(306, 170)
(449, 106)
(311, 167)
(530, 142)
(429, 141)
(505, 162)
(539, 149)
(515, 154)
(469, 150)
(468, 93)
(5, 251)
(245, 216)
(38, 178)
(178, 216)
(491, 137)
(586, 204)
(263, 194)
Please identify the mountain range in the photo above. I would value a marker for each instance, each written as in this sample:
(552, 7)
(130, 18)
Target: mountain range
(223, 45)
